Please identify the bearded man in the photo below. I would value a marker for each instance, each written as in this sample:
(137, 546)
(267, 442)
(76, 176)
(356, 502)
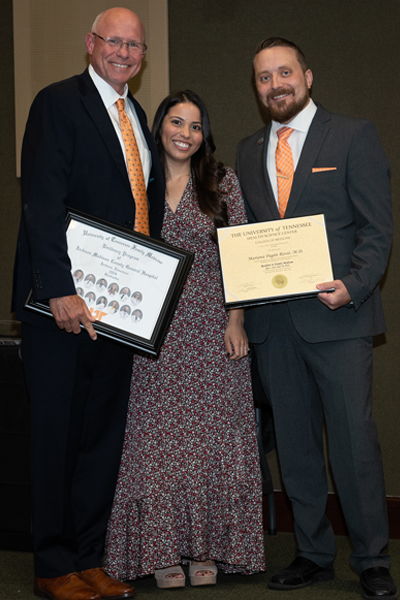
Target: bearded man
(315, 355)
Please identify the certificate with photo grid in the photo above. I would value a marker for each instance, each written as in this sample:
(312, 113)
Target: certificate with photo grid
(130, 282)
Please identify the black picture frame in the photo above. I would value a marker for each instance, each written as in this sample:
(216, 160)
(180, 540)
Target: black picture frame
(169, 263)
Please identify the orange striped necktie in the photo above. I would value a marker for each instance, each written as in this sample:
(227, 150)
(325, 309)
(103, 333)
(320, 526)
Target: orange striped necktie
(135, 171)
(284, 168)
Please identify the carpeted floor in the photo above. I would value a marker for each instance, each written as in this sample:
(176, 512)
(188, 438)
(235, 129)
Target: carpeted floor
(16, 576)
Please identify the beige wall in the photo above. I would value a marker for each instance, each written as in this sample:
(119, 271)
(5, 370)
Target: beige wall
(49, 45)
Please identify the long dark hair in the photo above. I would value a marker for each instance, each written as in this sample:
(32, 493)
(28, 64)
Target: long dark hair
(208, 173)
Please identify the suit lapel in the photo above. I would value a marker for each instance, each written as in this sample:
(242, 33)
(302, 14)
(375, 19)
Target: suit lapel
(315, 138)
(94, 106)
(265, 204)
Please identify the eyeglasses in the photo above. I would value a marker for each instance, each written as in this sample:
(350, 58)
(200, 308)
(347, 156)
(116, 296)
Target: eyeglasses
(133, 47)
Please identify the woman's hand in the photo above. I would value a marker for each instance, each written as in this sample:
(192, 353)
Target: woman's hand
(236, 342)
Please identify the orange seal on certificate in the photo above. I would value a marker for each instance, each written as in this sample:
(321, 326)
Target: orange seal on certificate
(279, 281)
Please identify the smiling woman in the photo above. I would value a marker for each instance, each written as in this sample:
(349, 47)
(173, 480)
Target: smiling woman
(181, 137)
(189, 487)
(182, 131)
(186, 113)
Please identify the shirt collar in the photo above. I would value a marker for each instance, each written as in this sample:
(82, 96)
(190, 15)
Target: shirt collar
(106, 91)
(301, 122)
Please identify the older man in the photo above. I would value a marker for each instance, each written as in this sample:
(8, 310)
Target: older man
(74, 156)
(315, 355)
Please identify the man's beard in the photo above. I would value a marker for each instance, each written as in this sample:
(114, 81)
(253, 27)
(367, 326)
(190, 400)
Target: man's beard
(282, 112)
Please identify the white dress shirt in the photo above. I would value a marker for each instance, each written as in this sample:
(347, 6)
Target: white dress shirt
(109, 97)
(301, 124)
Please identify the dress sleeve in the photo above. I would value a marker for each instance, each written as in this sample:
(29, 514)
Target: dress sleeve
(234, 198)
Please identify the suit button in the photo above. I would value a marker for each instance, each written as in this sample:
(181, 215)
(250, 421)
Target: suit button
(128, 224)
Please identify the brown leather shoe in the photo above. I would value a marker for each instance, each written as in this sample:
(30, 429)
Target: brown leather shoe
(109, 588)
(66, 587)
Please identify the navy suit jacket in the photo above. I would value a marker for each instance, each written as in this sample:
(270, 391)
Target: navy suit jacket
(356, 201)
(71, 157)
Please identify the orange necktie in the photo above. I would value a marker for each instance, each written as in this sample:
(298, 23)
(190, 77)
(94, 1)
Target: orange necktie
(135, 171)
(284, 168)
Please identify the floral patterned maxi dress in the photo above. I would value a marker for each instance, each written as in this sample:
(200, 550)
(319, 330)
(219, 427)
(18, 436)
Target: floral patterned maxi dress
(189, 484)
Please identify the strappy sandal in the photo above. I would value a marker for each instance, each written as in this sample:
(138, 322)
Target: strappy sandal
(170, 582)
(197, 567)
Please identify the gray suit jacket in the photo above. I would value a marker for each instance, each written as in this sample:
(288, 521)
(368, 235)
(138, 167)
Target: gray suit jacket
(356, 201)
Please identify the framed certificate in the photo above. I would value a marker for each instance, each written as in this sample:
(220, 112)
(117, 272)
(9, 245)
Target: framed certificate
(274, 261)
(131, 283)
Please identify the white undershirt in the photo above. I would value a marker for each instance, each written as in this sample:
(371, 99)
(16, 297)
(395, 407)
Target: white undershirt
(301, 124)
(109, 97)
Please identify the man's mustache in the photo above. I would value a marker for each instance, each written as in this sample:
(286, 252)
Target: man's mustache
(279, 92)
